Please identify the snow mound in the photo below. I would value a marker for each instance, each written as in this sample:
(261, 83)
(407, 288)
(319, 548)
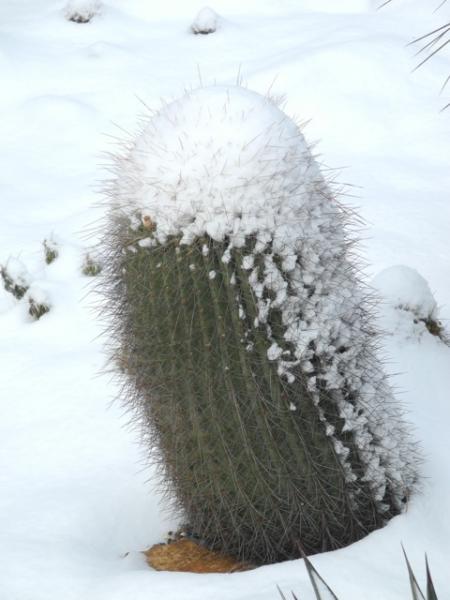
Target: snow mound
(205, 22)
(82, 11)
(404, 288)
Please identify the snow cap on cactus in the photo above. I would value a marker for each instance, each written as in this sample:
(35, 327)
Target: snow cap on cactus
(219, 213)
(247, 174)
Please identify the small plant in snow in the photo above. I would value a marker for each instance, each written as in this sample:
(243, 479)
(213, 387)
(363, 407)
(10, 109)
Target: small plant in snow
(38, 302)
(205, 22)
(245, 336)
(90, 266)
(50, 250)
(82, 11)
(16, 278)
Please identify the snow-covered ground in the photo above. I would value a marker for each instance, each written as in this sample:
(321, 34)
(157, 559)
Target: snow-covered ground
(75, 495)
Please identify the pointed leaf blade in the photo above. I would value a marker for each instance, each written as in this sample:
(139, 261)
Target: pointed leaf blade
(415, 589)
(321, 589)
(431, 592)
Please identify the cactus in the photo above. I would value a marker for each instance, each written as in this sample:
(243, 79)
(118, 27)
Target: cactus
(244, 336)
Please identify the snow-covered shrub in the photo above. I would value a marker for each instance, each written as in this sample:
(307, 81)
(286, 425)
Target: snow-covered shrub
(410, 302)
(38, 302)
(205, 22)
(50, 250)
(244, 334)
(16, 278)
(90, 267)
(82, 11)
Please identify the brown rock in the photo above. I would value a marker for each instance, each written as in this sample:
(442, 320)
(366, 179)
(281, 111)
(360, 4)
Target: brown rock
(190, 556)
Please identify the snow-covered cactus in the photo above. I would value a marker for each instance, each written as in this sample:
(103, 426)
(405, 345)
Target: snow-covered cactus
(205, 22)
(16, 278)
(410, 308)
(244, 334)
(82, 11)
(51, 251)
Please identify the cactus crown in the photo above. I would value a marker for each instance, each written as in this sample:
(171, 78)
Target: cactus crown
(245, 334)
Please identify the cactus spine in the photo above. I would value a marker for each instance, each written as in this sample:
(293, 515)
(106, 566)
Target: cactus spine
(244, 335)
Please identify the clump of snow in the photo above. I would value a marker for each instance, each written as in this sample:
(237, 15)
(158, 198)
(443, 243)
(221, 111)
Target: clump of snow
(227, 163)
(82, 11)
(404, 288)
(274, 352)
(205, 22)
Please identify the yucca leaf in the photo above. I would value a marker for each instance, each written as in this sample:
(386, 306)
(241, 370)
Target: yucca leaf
(431, 592)
(321, 589)
(283, 597)
(280, 591)
(415, 589)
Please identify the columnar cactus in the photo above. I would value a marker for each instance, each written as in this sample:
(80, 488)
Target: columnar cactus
(244, 335)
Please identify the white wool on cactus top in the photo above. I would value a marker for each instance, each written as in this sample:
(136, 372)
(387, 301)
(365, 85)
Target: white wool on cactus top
(403, 287)
(229, 164)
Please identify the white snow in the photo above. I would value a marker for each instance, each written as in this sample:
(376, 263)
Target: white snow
(274, 352)
(206, 21)
(74, 494)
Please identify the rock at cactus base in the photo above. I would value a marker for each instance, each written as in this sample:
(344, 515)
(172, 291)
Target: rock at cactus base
(192, 557)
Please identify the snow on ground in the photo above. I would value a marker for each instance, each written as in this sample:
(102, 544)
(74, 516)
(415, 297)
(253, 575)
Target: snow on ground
(75, 497)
